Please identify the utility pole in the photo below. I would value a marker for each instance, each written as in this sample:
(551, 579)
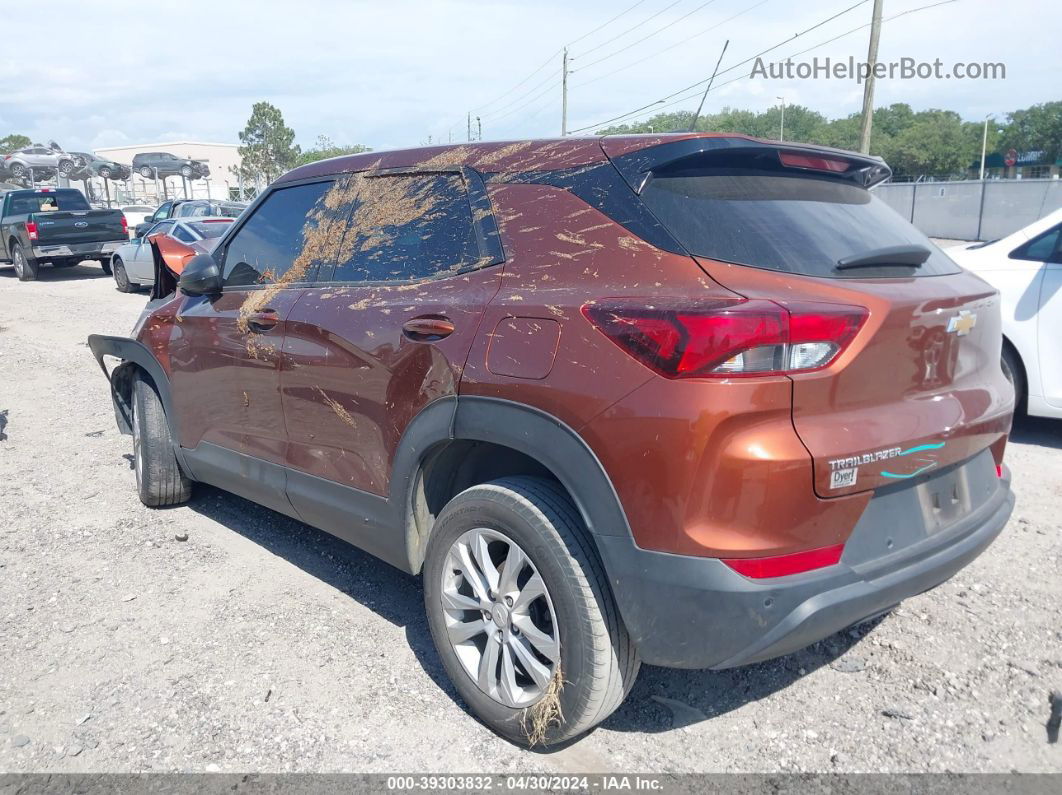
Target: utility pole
(468, 136)
(781, 124)
(868, 87)
(479, 129)
(564, 94)
(984, 145)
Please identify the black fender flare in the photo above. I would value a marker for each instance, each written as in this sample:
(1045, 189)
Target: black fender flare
(133, 354)
(528, 430)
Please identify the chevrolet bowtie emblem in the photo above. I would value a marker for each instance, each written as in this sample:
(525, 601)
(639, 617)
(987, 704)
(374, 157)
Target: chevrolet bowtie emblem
(962, 323)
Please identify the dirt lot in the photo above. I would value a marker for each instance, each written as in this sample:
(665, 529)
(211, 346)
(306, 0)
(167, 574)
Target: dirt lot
(262, 644)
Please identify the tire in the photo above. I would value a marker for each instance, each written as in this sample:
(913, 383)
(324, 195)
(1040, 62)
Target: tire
(147, 173)
(1015, 373)
(576, 616)
(105, 263)
(26, 267)
(159, 480)
(186, 172)
(18, 170)
(105, 172)
(121, 278)
(66, 168)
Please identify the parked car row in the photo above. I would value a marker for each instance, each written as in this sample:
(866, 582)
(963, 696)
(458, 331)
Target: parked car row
(46, 162)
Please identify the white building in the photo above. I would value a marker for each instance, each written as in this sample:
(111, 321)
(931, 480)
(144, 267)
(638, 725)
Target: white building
(223, 159)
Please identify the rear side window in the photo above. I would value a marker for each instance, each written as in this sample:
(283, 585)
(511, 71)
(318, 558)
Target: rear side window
(183, 235)
(784, 221)
(265, 249)
(1045, 248)
(46, 202)
(407, 226)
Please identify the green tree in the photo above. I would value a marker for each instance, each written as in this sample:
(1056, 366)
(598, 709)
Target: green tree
(9, 143)
(268, 146)
(935, 143)
(325, 148)
(1035, 128)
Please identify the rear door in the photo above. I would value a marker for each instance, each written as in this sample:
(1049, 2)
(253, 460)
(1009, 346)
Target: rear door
(1047, 249)
(919, 386)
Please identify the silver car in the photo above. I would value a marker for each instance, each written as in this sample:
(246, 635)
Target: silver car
(133, 263)
(41, 159)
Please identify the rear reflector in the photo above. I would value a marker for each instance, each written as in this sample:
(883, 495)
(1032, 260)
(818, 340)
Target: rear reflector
(783, 565)
(724, 338)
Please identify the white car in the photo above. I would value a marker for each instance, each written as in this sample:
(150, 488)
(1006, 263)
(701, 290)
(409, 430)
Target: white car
(1026, 268)
(133, 263)
(136, 214)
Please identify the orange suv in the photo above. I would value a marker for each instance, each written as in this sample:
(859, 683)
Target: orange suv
(694, 400)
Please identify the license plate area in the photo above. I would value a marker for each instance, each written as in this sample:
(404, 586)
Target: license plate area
(945, 499)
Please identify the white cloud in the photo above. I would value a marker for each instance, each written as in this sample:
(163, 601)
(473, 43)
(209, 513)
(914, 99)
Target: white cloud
(391, 74)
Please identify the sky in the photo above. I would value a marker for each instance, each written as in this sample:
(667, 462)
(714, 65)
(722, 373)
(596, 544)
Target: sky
(403, 72)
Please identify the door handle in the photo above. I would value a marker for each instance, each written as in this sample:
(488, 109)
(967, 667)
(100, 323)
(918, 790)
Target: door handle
(263, 320)
(428, 328)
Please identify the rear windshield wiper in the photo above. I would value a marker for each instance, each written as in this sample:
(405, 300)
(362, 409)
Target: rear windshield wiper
(899, 256)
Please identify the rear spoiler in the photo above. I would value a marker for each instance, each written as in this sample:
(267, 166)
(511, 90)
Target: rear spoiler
(859, 169)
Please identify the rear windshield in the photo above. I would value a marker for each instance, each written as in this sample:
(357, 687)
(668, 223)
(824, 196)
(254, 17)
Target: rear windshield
(47, 202)
(783, 221)
(209, 229)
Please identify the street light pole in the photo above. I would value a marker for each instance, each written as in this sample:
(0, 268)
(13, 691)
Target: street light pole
(984, 145)
(781, 124)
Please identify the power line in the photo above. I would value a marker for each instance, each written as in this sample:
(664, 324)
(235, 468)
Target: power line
(657, 106)
(728, 69)
(549, 60)
(605, 24)
(672, 46)
(550, 77)
(552, 86)
(644, 38)
(649, 18)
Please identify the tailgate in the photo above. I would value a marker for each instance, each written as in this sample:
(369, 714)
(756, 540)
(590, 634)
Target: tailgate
(78, 226)
(920, 388)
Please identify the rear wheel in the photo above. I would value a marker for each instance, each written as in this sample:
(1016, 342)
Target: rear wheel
(105, 172)
(121, 278)
(66, 168)
(18, 170)
(159, 480)
(26, 267)
(146, 173)
(1015, 373)
(521, 612)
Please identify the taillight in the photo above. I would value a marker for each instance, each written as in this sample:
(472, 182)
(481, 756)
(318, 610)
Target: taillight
(125, 226)
(783, 565)
(724, 338)
(31, 230)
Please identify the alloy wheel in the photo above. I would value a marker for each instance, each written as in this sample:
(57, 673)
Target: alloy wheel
(19, 262)
(499, 617)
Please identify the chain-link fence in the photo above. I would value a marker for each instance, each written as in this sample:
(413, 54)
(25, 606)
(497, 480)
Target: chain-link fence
(973, 209)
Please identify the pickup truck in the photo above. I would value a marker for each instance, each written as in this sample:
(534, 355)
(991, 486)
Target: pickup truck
(56, 225)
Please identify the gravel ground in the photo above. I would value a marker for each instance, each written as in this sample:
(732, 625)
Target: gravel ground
(260, 644)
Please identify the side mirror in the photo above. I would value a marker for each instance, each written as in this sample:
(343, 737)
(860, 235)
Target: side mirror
(201, 276)
(140, 229)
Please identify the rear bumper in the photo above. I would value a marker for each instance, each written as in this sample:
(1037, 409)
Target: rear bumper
(688, 612)
(91, 250)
